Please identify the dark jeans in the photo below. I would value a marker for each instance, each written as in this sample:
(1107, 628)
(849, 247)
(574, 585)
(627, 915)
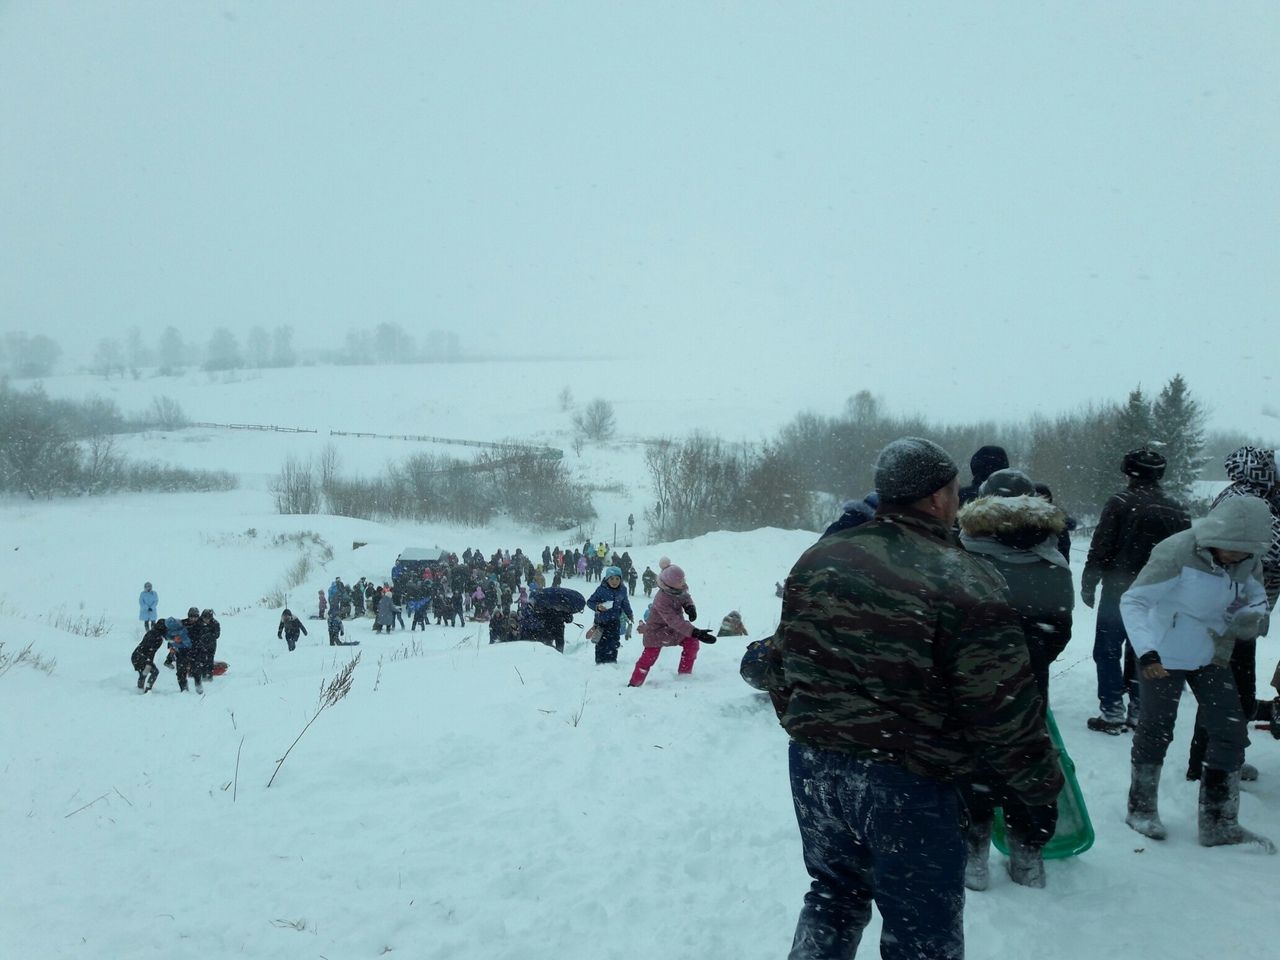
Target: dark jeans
(874, 831)
(1244, 672)
(1113, 655)
(1224, 722)
(607, 643)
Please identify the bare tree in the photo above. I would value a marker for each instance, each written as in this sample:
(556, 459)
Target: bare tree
(596, 421)
(295, 489)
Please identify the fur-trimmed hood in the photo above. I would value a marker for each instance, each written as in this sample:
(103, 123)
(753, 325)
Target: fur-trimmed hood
(1026, 523)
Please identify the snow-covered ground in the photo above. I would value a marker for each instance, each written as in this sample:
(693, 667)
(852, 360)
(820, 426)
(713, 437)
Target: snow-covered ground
(466, 800)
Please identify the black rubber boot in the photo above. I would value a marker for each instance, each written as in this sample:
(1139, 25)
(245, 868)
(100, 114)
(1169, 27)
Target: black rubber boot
(1144, 791)
(1220, 811)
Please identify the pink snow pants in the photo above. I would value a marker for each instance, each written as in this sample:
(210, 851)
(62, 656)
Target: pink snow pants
(649, 656)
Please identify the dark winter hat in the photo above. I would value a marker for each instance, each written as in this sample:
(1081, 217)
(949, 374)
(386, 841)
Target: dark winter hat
(1007, 483)
(912, 468)
(206, 612)
(1143, 464)
(193, 612)
(987, 461)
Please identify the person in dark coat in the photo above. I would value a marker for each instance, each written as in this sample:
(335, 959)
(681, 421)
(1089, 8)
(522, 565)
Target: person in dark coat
(291, 627)
(1064, 538)
(609, 602)
(544, 618)
(144, 655)
(386, 619)
(204, 638)
(1132, 523)
(986, 461)
(854, 513)
(336, 629)
(650, 580)
(1015, 530)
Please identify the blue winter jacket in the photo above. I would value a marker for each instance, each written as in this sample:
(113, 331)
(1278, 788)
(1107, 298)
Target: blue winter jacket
(179, 639)
(148, 600)
(604, 593)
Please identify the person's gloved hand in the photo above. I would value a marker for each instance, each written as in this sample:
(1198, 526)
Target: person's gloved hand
(706, 636)
(692, 611)
(1089, 595)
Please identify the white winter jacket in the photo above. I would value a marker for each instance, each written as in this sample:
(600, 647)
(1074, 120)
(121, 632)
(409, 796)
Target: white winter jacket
(1183, 593)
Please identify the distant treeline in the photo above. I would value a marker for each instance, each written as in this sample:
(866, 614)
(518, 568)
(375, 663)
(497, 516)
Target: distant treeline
(67, 448)
(797, 479)
(524, 483)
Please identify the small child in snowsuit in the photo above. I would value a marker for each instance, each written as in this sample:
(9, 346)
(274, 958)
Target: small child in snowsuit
(336, 629)
(665, 626)
(183, 653)
(144, 655)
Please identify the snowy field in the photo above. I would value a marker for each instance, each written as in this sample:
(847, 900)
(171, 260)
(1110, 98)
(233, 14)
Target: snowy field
(466, 800)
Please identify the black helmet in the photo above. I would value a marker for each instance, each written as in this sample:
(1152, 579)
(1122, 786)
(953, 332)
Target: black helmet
(1143, 464)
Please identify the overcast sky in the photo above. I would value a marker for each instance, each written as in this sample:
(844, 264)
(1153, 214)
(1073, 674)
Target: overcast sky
(1054, 198)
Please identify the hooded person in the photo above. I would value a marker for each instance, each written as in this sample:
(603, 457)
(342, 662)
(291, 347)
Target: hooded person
(1252, 472)
(986, 461)
(898, 669)
(148, 600)
(1133, 521)
(1198, 595)
(1015, 530)
(854, 512)
(665, 626)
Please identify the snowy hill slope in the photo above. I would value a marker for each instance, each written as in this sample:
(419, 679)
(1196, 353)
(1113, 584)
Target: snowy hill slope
(465, 800)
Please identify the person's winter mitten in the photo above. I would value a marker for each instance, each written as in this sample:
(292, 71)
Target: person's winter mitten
(1089, 594)
(706, 636)
(692, 611)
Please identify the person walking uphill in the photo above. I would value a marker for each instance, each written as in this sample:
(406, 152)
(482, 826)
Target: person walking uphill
(1199, 594)
(899, 668)
(609, 601)
(291, 628)
(665, 626)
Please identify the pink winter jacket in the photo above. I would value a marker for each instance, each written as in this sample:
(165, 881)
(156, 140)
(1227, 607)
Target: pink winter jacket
(666, 625)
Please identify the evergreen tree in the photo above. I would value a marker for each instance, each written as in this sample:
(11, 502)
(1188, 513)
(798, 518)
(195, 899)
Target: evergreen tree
(1177, 421)
(257, 347)
(282, 346)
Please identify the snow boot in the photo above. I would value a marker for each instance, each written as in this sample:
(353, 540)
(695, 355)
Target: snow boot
(1144, 792)
(977, 843)
(1103, 725)
(141, 679)
(1220, 810)
(1026, 862)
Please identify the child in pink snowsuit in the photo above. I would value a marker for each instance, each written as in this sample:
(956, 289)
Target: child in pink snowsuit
(666, 626)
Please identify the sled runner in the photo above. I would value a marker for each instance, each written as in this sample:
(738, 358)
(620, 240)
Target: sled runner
(1074, 834)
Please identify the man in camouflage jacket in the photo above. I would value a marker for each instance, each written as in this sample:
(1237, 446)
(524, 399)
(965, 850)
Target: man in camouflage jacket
(899, 667)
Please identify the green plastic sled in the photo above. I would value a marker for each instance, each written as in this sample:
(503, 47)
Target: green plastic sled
(1074, 834)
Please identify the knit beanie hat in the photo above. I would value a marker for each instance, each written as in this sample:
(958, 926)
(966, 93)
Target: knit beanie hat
(663, 563)
(986, 461)
(1007, 483)
(671, 576)
(1143, 464)
(912, 468)
(611, 572)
